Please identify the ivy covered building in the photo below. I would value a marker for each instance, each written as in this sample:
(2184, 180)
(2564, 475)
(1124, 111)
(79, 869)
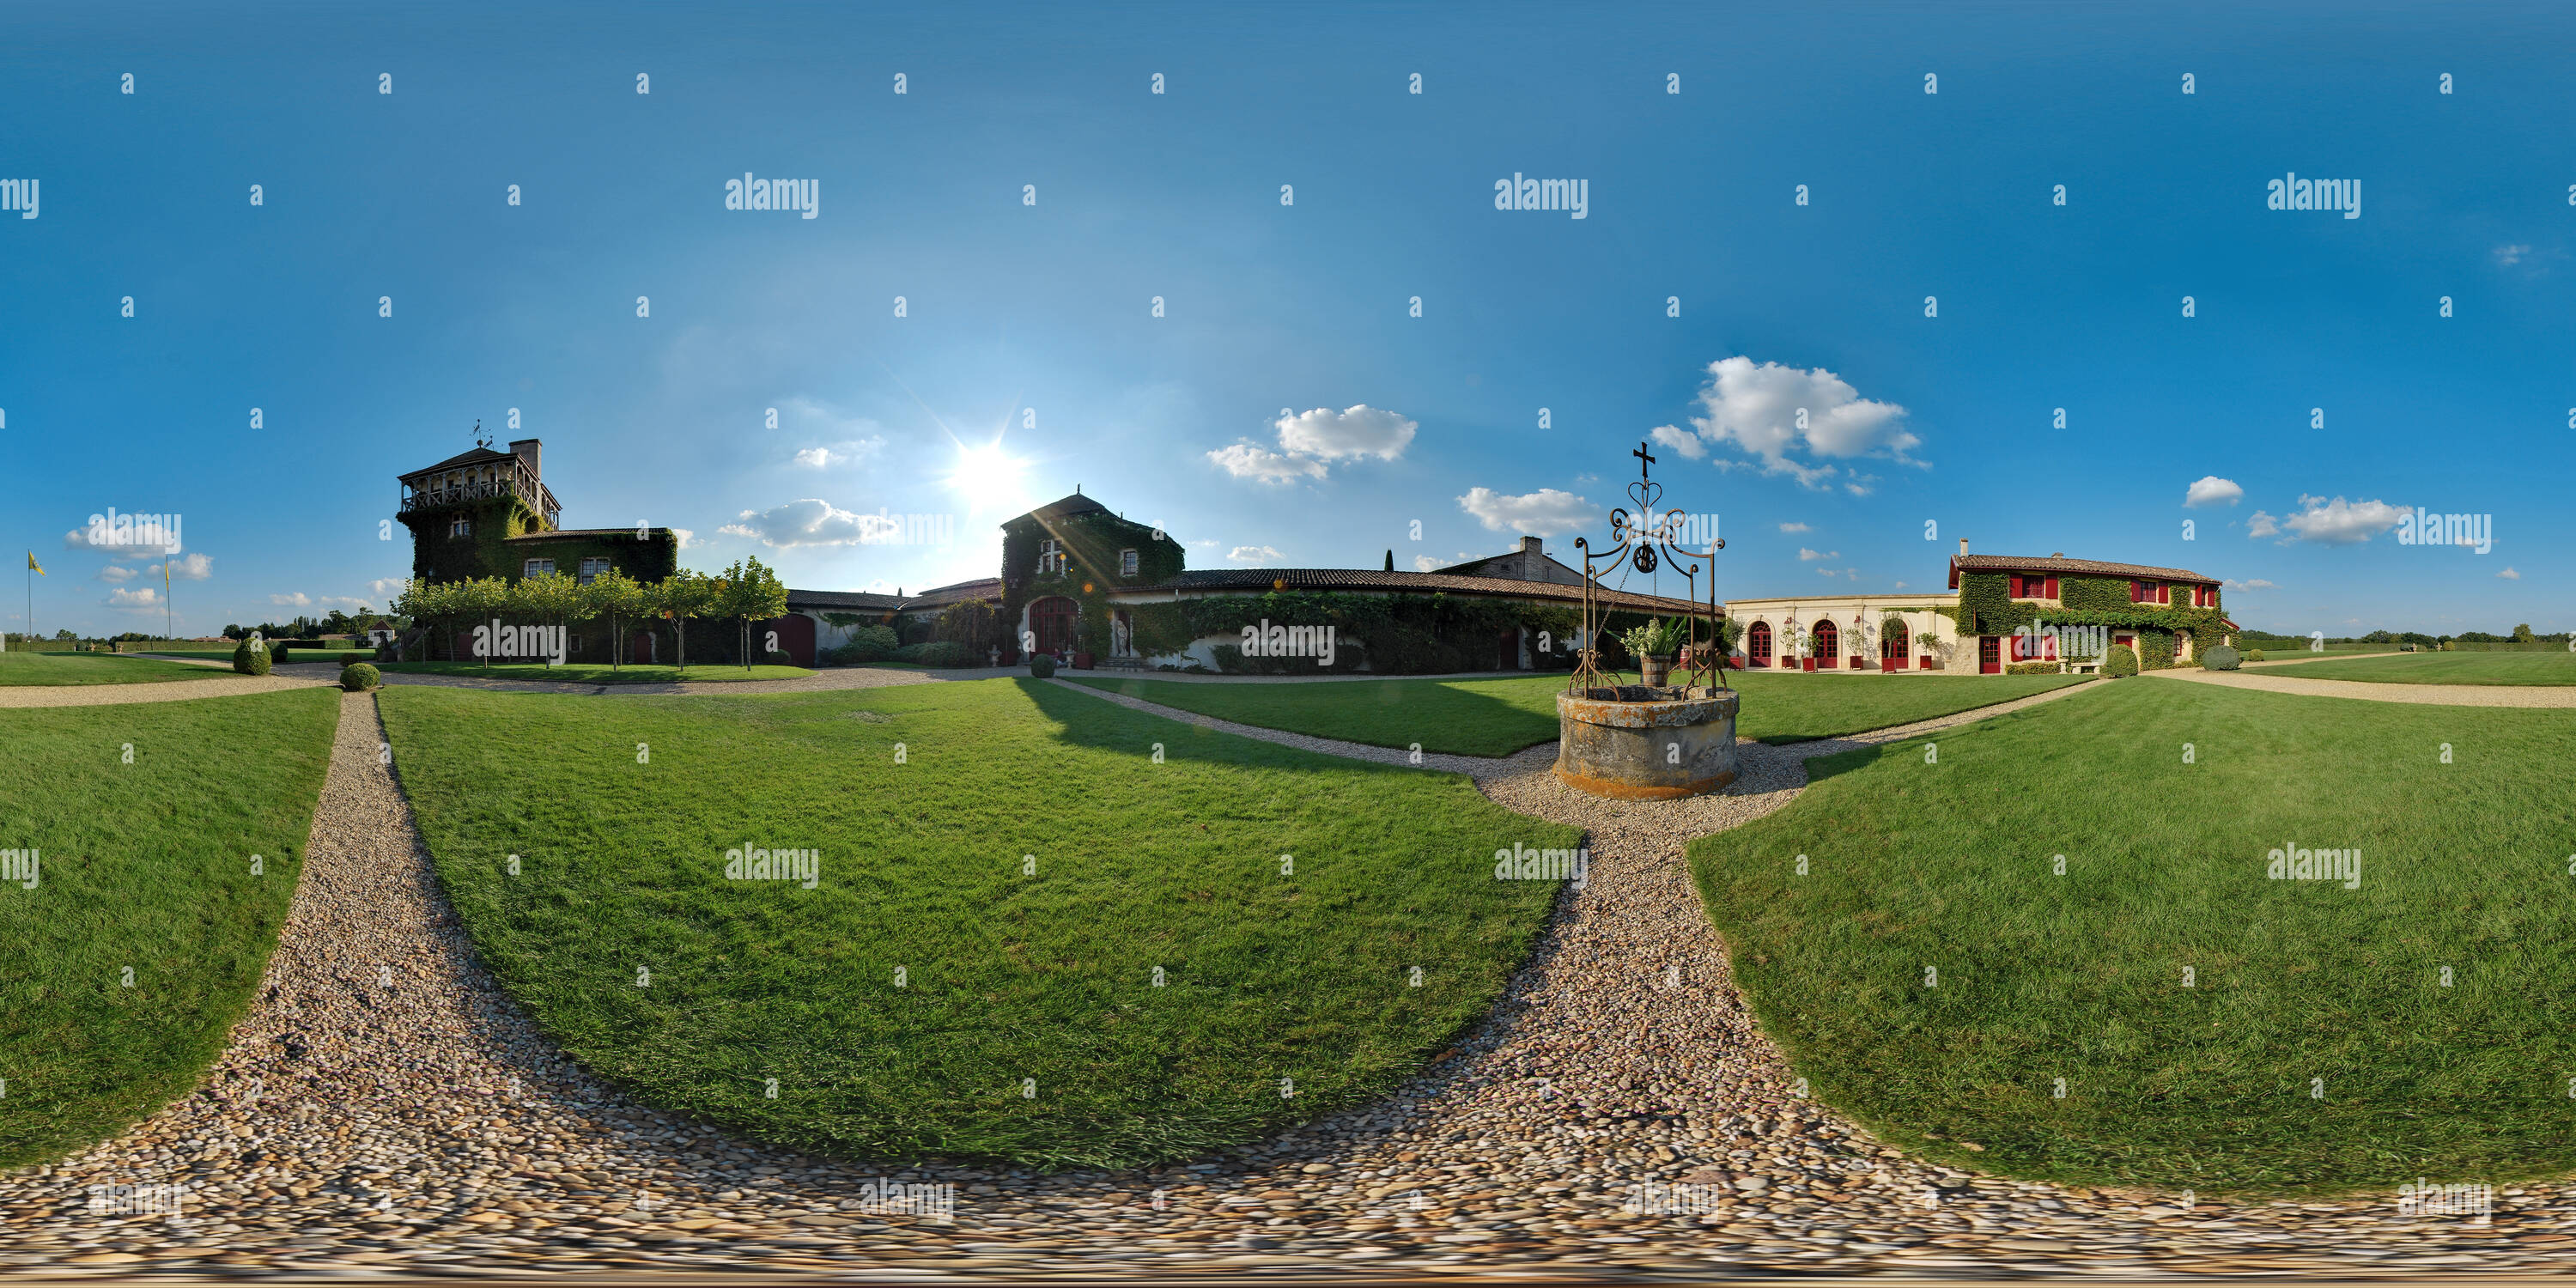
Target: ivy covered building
(1087, 586)
(1995, 618)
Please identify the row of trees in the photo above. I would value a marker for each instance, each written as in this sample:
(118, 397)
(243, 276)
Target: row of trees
(747, 592)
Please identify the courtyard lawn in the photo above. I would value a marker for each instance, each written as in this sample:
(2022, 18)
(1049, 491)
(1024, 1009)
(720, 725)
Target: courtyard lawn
(1500, 716)
(593, 673)
(1156, 989)
(2443, 668)
(143, 866)
(91, 668)
(2205, 1084)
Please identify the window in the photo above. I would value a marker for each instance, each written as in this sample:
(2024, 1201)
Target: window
(2027, 587)
(591, 568)
(1050, 557)
(1126, 563)
(537, 568)
(461, 528)
(2137, 592)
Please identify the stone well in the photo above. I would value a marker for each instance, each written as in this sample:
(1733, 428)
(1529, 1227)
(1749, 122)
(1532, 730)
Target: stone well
(1636, 743)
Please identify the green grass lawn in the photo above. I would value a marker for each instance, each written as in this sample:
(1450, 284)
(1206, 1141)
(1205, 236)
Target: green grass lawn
(91, 668)
(1951, 866)
(1499, 717)
(594, 673)
(1028, 1025)
(143, 865)
(2443, 668)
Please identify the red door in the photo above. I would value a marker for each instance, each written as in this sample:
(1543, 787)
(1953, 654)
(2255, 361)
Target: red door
(639, 644)
(1051, 620)
(1990, 655)
(795, 635)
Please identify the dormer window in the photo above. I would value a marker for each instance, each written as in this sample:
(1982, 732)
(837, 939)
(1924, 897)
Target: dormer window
(1126, 563)
(1051, 558)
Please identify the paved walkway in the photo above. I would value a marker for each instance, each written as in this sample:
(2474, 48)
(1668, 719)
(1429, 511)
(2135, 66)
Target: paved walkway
(2448, 695)
(384, 1105)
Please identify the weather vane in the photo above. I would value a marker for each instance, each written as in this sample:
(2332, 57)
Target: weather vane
(481, 439)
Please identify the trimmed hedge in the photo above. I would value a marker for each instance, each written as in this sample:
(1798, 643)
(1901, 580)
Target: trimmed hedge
(2034, 668)
(2120, 661)
(1042, 665)
(2254, 655)
(2221, 658)
(945, 654)
(358, 677)
(250, 661)
(866, 644)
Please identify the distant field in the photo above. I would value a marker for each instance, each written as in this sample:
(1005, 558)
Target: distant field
(1499, 717)
(89, 668)
(2443, 668)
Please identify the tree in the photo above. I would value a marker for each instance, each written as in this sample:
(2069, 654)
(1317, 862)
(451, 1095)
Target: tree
(677, 598)
(615, 596)
(552, 598)
(748, 593)
(478, 599)
(1390, 560)
(2522, 634)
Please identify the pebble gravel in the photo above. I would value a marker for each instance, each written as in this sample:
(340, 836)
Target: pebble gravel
(384, 1109)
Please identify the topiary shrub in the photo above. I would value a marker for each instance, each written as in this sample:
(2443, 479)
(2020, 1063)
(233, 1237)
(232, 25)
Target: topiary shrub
(1042, 666)
(2221, 658)
(358, 677)
(2253, 655)
(277, 655)
(250, 661)
(2121, 660)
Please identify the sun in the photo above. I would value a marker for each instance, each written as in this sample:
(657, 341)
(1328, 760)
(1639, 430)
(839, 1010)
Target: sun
(989, 476)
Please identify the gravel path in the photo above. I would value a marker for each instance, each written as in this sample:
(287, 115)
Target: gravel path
(2446, 695)
(830, 679)
(114, 695)
(408, 1117)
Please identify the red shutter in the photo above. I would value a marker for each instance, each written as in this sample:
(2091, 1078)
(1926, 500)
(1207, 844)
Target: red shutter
(2133, 592)
(2164, 594)
(2050, 592)
(2050, 643)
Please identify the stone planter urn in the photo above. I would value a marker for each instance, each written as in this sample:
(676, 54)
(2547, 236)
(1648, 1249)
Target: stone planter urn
(1657, 671)
(1643, 743)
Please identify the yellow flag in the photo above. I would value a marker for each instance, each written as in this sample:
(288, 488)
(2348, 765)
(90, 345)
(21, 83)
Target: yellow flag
(31, 562)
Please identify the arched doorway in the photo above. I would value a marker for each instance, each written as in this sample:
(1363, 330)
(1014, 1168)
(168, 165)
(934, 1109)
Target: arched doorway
(1893, 644)
(1757, 644)
(1051, 620)
(1829, 638)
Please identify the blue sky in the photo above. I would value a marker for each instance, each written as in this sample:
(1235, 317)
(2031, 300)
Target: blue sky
(1033, 322)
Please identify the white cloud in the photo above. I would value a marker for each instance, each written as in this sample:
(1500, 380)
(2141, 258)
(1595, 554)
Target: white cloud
(139, 597)
(1543, 513)
(684, 536)
(2212, 490)
(2510, 255)
(297, 600)
(1248, 461)
(2339, 522)
(1254, 554)
(1758, 407)
(2510, 575)
(117, 573)
(2262, 525)
(1795, 527)
(1680, 440)
(1354, 431)
(829, 455)
(1808, 556)
(387, 586)
(1425, 563)
(809, 521)
(1900, 585)
(78, 539)
(2256, 584)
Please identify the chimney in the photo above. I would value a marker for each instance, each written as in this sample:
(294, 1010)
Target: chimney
(1533, 549)
(531, 452)
(1963, 547)
(2056, 554)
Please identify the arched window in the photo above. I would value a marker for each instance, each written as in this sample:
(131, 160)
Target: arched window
(1828, 642)
(1757, 643)
(1892, 642)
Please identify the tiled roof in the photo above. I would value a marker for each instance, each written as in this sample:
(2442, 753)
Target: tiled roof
(2033, 563)
(1257, 579)
(1065, 507)
(980, 588)
(869, 601)
(474, 456)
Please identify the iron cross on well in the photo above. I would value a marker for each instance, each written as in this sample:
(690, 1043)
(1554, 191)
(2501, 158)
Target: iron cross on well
(1643, 460)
